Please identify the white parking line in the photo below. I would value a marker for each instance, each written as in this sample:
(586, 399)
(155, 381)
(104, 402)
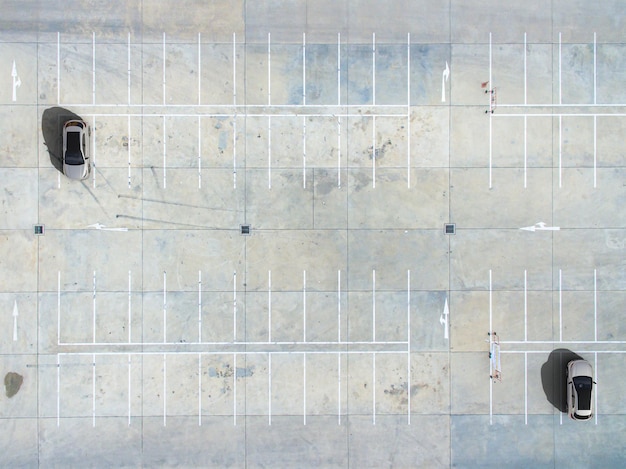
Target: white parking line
(164, 307)
(304, 152)
(525, 388)
(595, 394)
(94, 307)
(58, 390)
(560, 81)
(58, 307)
(525, 150)
(199, 69)
(595, 305)
(304, 388)
(373, 305)
(129, 387)
(93, 149)
(164, 390)
(490, 331)
(595, 150)
(269, 152)
(130, 323)
(235, 306)
(129, 68)
(304, 69)
(373, 68)
(490, 114)
(235, 389)
(200, 389)
(525, 306)
(338, 389)
(164, 155)
(560, 146)
(408, 339)
(58, 68)
(269, 70)
(269, 305)
(199, 152)
(234, 69)
(525, 74)
(373, 151)
(93, 391)
(200, 306)
(339, 305)
(164, 68)
(374, 388)
(234, 152)
(338, 69)
(408, 111)
(560, 306)
(93, 67)
(269, 388)
(595, 75)
(338, 151)
(304, 306)
(129, 140)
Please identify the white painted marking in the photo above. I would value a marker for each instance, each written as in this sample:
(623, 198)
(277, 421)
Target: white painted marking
(560, 306)
(490, 332)
(374, 68)
(444, 78)
(269, 152)
(595, 152)
(58, 67)
(234, 69)
(490, 116)
(541, 226)
(560, 81)
(339, 305)
(101, 227)
(374, 388)
(164, 307)
(304, 388)
(595, 394)
(17, 82)
(525, 151)
(443, 319)
(200, 306)
(595, 74)
(304, 69)
(129, 387)
(129, 76)
(129, 143)
(269, 305)
(199, 152)
(338, 69)
(374, 152)
(58, 307)
(560, 142)
(200, 389)
(373, 305)
(408, 339)
(93, 67)
(199, 69)
(525, 73)
(269, 388)
(338, 151)
(269, 70)
(130, 324)
(93, 149)
(408, 111)
(235, 306)
(58, 390)
(164, 390)
(15, 315)
(93, 391)
(304, 306)
(164, 68)
(235, 389)
(595, 305)
(338, 389)
(94, 307)
(164, 155)
(525, 306)
(304, 152)
(525, 388)
(234, 152)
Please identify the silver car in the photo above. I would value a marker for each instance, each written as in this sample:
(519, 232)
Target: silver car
(76, 151)
(580, 390)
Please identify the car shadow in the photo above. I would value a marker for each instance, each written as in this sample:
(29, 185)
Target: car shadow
(554, 375)
(52, 122)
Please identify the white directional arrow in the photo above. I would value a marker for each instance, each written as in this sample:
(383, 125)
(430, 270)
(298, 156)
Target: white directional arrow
(16, 81)
(100, 226)
(444, 79)
(443, 319)
(15, 314)
(541, 226)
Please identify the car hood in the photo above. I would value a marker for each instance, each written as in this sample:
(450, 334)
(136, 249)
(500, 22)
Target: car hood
(581, 368)
(74, 171)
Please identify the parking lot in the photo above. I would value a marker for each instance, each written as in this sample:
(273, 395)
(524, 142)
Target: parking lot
(303, 232)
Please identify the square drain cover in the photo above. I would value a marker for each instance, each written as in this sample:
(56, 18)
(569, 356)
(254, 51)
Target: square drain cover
(450, 228)
(39, 230)
(245, 229)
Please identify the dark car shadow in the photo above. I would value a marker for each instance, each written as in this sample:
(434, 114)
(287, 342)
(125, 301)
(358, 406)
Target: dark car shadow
(554, 374)
(52, 123)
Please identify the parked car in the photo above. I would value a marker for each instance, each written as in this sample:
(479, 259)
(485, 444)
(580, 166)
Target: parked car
(580, 390)
(76, 150)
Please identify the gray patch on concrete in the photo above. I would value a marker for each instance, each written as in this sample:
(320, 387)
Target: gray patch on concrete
(12, 383)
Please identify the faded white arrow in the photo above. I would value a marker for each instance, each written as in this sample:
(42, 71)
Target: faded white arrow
(100, 226)
(443, 319)
(15, 314)
(541, 226)
(444, 79)
(16, 81)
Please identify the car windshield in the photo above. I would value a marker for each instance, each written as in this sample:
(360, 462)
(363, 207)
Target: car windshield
(72, 154)
(583, 387)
